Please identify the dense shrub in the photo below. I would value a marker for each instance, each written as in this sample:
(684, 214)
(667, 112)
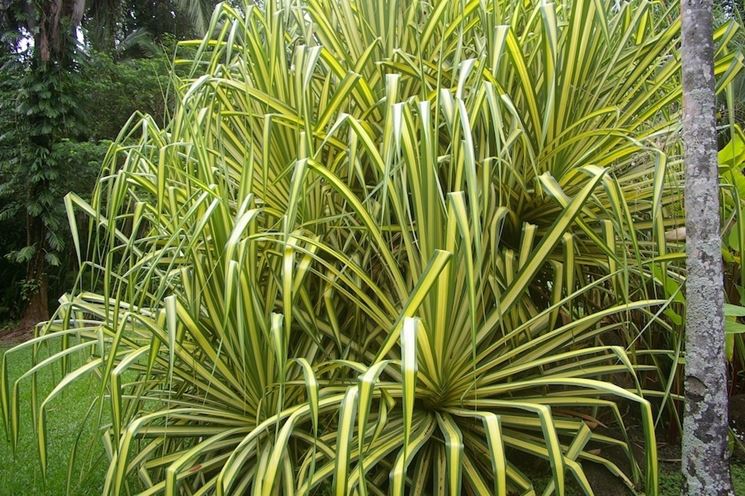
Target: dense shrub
(386, 245)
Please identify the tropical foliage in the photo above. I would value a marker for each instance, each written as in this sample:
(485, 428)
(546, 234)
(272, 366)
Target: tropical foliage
(71, 75)
(385, 247)
(732, 186)
(55, 129)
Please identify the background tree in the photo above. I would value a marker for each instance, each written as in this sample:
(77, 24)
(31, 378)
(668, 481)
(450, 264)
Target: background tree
(71, 74)
(705, 462)
(46, 112)
(113, 25)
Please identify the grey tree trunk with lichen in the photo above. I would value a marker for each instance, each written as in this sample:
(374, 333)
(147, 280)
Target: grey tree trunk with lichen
(705, 466)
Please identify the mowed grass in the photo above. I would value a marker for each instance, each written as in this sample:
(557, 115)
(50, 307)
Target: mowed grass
(20, 472)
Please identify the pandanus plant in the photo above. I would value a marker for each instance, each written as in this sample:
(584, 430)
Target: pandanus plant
(383, 247)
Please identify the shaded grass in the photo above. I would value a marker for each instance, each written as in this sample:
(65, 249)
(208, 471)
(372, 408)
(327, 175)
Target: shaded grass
(20, 472)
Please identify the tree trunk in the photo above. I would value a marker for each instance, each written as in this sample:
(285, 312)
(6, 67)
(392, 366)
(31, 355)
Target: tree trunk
(37, 305)
(54, 23)
(37, 308)
(705, 463)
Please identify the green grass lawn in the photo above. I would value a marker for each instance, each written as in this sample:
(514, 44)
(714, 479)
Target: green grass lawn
(20, 474)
